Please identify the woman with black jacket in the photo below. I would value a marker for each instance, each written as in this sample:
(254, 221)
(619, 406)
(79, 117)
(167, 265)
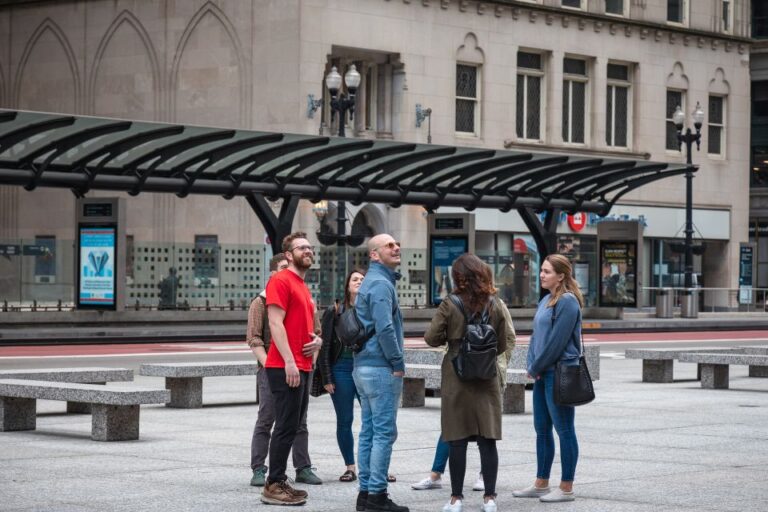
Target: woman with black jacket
(335, 363)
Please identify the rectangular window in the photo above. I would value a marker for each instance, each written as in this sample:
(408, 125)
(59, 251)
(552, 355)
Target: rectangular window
(614, 7)
(617, 106)
(572, 3)
(716, 128)
(467, 99)
(676, 11)
(206, 260)
(45, 259)
(574, 100)
(674, 100)
(530, 77)
(726, 15)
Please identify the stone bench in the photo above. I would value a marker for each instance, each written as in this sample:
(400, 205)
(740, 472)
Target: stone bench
(115, 410)
(658, 363)
(72, 376)
(757, 350)
(185, 380)
(714, 366)
(419, 377)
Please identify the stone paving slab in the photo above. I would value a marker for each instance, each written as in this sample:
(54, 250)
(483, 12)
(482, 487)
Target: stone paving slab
(644, 448)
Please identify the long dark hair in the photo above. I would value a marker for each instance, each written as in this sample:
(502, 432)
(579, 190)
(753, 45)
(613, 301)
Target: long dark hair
(347, 295)
(472, 281)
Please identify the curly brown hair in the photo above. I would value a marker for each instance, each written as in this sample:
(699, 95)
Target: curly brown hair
(288, 240)
(472, 281)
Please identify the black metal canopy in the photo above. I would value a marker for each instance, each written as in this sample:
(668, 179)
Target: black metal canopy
(86, 153)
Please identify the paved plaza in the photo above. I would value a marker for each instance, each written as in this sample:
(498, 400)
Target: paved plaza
(644, 447)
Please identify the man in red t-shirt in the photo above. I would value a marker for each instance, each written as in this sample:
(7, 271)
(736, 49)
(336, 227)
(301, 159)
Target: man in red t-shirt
(294, 347)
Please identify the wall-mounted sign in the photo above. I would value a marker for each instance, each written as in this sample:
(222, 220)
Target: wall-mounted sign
(96, 266)
(577, 221)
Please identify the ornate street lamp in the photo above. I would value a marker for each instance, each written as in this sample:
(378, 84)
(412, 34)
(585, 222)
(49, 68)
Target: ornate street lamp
(340, 102)
(688, 138)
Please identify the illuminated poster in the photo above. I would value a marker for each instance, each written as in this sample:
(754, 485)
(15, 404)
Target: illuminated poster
(444, 250)
(96, 267)
(618, 273)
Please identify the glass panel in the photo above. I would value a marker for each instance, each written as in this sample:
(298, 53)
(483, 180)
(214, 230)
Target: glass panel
(45, 259)
(675, 10)
(726, 15)
(714, 140)
(578, 117)
(575, 67)
(466, 81)
(760, 98)
(572, 3)
(206, 260)
(609, 116)
(465, 116)
(674, 99)
(566, 111)
(716, 109)
(528, 60)
(759, 166)
(519, 120)
(534, 107)
(671, 137)
(618, 72)
(622, 117)
(614, 6)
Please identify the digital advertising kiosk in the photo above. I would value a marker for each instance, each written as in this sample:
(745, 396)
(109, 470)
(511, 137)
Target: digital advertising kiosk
(449, 236)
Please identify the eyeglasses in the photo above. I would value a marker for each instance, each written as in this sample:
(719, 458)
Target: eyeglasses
(390, 245)
(304, 248)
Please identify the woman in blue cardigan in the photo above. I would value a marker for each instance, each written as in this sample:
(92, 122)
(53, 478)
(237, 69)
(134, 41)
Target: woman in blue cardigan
(556, 338)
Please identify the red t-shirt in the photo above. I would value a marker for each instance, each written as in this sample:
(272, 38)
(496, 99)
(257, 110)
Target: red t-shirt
(289, 292)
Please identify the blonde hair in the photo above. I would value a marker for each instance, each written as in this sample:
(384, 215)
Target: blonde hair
(561, 265)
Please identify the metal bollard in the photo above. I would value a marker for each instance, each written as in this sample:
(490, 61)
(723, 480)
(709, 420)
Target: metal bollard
(58, 305)
(34, 305)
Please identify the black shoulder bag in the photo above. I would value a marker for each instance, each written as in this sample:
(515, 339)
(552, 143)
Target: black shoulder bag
(350, 330)
(573, 384)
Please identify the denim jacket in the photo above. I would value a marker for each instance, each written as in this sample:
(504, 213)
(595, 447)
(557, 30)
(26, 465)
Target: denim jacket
(555, 338)
(379, 312)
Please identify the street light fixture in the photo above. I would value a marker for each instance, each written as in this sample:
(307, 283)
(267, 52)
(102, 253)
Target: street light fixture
(678, 118)
(339, 102)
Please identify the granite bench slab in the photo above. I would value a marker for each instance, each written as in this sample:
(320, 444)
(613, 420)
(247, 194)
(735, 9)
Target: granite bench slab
(95, 375)
(185, 380)
(715, 366)
(658, 363)
(115, 409)
(419, 377)
(757, 350)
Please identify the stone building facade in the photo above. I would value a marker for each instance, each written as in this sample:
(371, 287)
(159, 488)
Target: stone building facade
(591, 77)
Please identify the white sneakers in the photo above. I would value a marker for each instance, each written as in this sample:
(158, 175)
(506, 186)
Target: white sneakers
(531, 492)
(490, 506)
(479, 484)
(427, 484)
(558, 495)
(456, 507)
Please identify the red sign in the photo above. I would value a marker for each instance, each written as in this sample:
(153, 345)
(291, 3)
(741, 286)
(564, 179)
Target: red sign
(577, 221)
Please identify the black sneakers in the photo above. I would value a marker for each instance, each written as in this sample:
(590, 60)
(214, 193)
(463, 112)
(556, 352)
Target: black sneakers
(380, 502)
(362, 498)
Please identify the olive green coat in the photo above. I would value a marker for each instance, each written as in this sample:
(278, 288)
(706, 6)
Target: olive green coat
(467, 408)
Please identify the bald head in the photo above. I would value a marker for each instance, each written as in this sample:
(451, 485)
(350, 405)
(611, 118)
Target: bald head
(385, 250)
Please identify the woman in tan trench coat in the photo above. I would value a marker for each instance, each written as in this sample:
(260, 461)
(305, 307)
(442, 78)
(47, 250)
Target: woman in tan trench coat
(471, 411)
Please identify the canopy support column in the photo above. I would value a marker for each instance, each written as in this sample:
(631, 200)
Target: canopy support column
(277, 227)
(544, 234)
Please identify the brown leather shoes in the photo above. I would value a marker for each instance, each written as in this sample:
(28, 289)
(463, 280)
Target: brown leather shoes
(281, 493)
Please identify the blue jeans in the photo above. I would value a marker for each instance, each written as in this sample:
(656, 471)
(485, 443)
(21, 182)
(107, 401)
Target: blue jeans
(546, 414)
(343, 399)
(442, 451)
(379, 399)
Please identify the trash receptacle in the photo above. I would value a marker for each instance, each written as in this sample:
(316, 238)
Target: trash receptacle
(689, 303)
(664, 303)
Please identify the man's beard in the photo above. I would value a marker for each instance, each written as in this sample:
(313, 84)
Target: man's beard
(300, 264)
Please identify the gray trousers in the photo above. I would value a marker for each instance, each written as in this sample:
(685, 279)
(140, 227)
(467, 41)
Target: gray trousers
(262, 432)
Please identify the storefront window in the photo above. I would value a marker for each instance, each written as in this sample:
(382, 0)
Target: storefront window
(582, 251)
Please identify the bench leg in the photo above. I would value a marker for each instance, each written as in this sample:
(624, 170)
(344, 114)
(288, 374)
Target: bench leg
(758, 371)
(714, 376)
(17, 414)
(413, 392)
(82, 407)
(186, 392)
(514, 399)
(655, 370)
(115, 422)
